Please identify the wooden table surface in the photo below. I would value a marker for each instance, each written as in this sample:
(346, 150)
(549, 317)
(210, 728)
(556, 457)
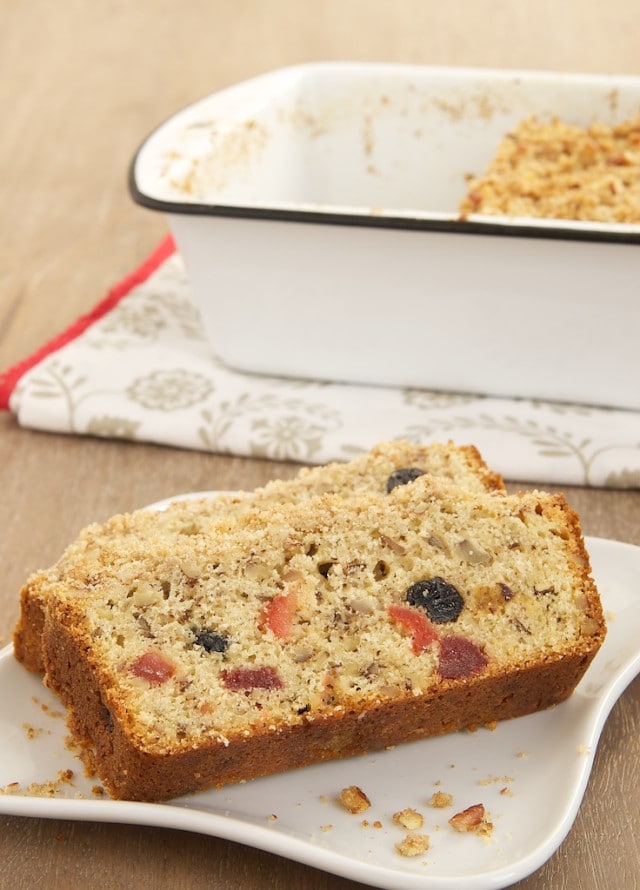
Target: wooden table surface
(81, 84)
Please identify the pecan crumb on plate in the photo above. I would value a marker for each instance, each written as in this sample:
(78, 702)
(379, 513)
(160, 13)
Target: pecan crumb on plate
(472, 819)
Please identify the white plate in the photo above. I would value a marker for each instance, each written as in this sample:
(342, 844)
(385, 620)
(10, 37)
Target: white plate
(530, 774)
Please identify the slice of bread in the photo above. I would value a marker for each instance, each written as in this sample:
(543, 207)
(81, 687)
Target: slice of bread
(369, 472)
(317, 630)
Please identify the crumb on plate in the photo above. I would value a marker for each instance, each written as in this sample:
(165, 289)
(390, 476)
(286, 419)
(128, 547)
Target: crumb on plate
(354, 799)
(409, 819)
(440, 800)
(472, 819)
(413, 845)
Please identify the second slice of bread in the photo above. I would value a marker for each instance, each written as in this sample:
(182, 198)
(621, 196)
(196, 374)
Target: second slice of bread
(369, 472)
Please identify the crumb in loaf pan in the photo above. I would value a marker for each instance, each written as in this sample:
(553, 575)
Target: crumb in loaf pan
(550, 170)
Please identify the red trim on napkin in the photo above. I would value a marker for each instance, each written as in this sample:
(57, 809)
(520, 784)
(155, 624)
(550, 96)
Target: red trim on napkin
(9, 379)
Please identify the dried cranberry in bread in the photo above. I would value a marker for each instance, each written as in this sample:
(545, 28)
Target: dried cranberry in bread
(387, 465)
(297, 634)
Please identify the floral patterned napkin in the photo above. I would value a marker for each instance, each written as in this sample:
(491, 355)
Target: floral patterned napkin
(139, 367)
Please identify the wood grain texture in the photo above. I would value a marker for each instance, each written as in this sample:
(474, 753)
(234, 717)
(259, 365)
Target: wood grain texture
(81, 84)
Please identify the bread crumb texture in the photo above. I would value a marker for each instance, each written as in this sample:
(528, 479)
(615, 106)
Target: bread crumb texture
(409, 818)
(50, 788)
(440, 800)
(413, 845)
(376, 472)
(306, 613)
(552, 170)
(316, 626)
(354, 799)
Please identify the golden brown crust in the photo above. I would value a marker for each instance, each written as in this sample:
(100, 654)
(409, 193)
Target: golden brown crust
(491, 480)
(130, 773)
(27, 636)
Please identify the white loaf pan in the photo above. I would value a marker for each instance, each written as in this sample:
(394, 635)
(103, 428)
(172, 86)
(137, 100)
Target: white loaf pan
(316, 210)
